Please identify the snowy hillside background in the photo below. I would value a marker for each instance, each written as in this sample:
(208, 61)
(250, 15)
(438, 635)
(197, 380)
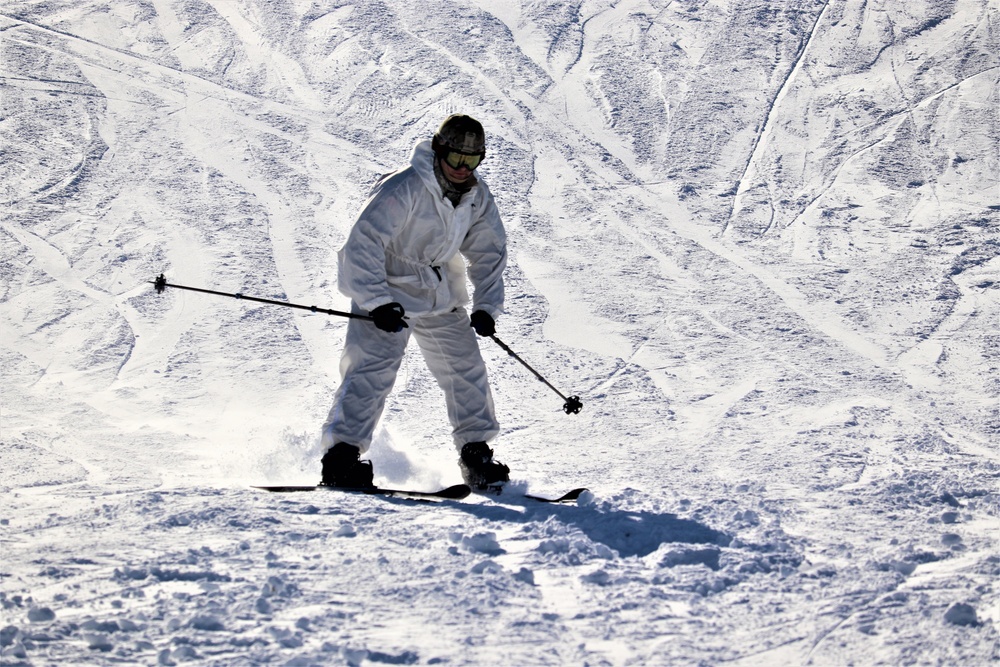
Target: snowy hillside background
(759, 239)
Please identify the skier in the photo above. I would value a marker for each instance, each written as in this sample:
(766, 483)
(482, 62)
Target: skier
(404, 264)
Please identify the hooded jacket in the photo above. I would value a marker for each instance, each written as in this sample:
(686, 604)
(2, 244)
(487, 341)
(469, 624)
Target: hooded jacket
(409, 242)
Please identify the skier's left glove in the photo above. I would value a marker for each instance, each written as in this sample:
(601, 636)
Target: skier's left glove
(483, 323)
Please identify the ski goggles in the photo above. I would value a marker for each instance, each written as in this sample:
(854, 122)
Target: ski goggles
(457, 160)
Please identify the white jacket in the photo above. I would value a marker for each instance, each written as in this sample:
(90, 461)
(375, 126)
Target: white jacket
(409, 241)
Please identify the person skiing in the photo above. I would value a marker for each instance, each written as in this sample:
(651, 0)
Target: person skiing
(422, 231)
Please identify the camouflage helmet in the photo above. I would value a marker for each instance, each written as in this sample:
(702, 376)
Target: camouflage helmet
(460, 133)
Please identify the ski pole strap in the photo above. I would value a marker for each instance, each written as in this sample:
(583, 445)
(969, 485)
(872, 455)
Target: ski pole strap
(572, 405)
(160, 284)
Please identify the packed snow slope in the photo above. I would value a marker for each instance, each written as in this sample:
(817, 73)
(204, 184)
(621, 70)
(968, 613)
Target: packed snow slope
(759, 239)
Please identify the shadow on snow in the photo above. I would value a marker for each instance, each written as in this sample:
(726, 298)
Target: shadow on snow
(629, 533)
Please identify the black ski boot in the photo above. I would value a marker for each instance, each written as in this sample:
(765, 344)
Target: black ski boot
(342, 467)
(479, 469)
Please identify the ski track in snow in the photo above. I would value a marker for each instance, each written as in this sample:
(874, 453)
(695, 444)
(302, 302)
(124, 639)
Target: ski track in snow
(759, 240)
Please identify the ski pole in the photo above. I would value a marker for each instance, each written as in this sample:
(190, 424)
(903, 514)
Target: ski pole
(572, 404)
(161, 284)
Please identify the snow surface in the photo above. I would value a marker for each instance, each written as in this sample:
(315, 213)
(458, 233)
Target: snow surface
(759, 239)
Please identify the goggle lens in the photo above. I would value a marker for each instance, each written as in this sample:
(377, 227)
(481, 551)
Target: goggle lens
(455, 160)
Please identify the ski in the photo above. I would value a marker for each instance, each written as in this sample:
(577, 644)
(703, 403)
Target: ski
(571, 495)
(456, 492)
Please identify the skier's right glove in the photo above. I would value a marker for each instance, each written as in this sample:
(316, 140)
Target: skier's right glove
(390, 317)
(483, 323)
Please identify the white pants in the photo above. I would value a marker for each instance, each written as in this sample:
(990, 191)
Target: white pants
(372, 358)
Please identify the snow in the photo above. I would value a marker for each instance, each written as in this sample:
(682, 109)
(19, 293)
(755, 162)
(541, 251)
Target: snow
(758, 239)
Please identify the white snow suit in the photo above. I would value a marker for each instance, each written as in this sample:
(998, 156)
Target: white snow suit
(407, 246)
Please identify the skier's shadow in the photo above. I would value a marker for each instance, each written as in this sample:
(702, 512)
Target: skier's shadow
(627, 532)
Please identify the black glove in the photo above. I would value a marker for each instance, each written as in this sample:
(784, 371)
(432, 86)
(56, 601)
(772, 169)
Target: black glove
(390, 317)
(483, 323)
